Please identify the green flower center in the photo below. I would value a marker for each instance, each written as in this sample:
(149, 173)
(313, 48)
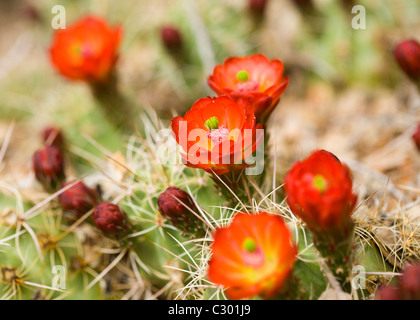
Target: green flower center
(242, 76)
(212, 123)
(320, 183)
(249, 245)
(77, 49)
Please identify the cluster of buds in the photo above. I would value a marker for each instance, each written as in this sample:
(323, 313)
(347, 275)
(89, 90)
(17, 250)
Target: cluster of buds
(319, 191)
(408, 287)
(76, 198)
(179, 208)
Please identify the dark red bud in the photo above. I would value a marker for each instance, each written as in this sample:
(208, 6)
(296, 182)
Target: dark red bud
(31, 12)
(53, 137)
(416, 137)
(388, 293)
(410, 282)
(78, 199)
(177, 206)
(171, 38)
(304, 5)
(48, 165)
(348, 4)
(111, 220)
(407, 54)
(257, 7)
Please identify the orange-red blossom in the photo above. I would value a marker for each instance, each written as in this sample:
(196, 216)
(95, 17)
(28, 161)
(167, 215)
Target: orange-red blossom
(319, 191)
(253, 76)
(86, 50)
(218, 134)
(254, 255)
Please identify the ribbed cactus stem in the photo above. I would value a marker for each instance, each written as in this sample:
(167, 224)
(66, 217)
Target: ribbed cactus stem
(338, 253)
(116, 107)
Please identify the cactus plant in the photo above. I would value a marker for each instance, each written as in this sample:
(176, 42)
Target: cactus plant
(118, 205)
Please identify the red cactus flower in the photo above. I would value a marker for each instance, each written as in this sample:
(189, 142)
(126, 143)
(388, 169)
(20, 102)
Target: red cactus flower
(78, 199)
(217, 134)
(319, 191)
(407, 54)
(254, 76)
(171, 38)
(87, 50)
(177, 206)
(111, 220)
(53, 137)
(254, 255)
(48, 165)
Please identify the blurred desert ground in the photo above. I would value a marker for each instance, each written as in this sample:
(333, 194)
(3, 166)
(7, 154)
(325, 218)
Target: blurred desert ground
(346, 93)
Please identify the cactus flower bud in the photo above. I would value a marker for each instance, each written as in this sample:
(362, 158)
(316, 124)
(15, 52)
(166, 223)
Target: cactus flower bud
(407, 288)
(48, 165)
(407, 54)
(78, 199)
(416, 137)
(171, 38)
(53, 137)
(257, 7)
(410, 282)
(111, 220)
(31, 12)
(305, 6)
(348, 4)
(177, 206)
(388, 293)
